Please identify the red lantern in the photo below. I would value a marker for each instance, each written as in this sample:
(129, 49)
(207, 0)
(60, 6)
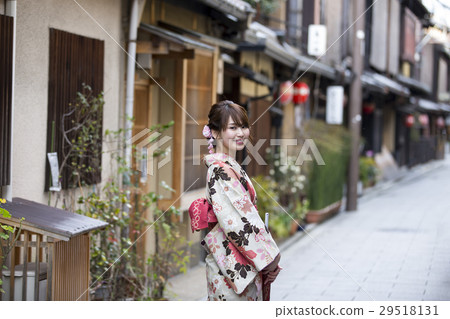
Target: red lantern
(440, 122)
(286, 92)
(423, 119)
(409, 122)
(368, 108)
(301, 92)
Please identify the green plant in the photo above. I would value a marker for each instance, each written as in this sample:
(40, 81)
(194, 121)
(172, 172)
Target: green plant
(326, 182)
(82, 145)
(7, 238)
(117, 265)
(300, 209)
(267, 195)
(267, 192)
(166, 258)
(290, 182)
(120, 268)
(266, 6)
(279, 224)
(368, 171)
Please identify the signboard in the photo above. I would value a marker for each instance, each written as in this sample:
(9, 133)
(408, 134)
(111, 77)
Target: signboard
(335, 104)
(317, 39)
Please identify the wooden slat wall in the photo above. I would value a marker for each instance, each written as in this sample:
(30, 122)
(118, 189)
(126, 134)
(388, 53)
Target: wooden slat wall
(200, 95)
(29, 248)
(6, 48)
(71, 269)
(74, 60)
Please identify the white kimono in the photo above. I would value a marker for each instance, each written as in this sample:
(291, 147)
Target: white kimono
(238, 246)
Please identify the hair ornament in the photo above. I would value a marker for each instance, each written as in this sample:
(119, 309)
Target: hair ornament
(207, 133)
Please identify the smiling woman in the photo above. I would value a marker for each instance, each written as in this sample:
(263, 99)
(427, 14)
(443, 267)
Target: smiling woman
(240, 250)
(229, 126)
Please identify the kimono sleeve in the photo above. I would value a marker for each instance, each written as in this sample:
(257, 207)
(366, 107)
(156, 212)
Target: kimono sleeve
(239, 219)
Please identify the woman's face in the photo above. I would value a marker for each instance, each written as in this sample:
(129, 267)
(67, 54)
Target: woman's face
(233, 138)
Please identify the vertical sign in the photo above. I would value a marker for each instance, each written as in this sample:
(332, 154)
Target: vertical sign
(335, 104)
(54, 169)
(298, 116)
(317, 39)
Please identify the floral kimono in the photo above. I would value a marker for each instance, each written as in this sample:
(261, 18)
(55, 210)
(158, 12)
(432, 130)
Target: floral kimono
(238, 246)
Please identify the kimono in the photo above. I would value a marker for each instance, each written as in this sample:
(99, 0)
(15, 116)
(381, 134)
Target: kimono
(238, 245)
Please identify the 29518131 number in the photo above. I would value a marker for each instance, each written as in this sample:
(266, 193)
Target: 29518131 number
(408, 311)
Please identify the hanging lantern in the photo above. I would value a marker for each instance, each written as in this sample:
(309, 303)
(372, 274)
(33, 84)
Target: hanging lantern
(409, 121)
(301, 92)
(368, 108)
(440, 122)
(423, 119)
(286, 92)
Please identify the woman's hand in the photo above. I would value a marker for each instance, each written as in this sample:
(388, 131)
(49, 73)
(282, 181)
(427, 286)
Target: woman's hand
(271, 276)
(272, 270)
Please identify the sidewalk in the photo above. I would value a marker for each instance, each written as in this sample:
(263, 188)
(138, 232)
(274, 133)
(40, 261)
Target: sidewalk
(192, 285)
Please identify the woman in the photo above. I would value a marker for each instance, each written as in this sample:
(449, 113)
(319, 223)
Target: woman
(240, 250)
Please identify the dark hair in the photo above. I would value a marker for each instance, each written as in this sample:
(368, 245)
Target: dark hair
(220, 114)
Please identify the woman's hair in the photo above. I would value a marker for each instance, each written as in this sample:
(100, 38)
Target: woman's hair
(220, 114)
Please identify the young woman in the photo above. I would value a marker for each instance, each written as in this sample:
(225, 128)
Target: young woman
(240, 250)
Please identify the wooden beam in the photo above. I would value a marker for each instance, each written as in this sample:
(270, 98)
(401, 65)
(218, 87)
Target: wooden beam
(24, 226)
(180, 122)
(186, 54)
(25, 266)
(215, 67)
(149, 47)
(50, 281)
(38, 268)
(31, 244)
(12, 273)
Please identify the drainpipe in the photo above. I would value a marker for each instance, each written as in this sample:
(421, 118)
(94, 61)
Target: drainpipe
(134, 16)
(11, 10)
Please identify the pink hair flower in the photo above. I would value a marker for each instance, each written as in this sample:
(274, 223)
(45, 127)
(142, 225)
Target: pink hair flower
(207, 131)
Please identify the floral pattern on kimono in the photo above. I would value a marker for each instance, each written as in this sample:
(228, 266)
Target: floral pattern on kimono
(238, 246)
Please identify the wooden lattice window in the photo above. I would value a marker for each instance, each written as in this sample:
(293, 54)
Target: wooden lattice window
(74, 60)
(6, 58)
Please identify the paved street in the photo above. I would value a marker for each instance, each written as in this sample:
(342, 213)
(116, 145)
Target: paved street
(395, 247)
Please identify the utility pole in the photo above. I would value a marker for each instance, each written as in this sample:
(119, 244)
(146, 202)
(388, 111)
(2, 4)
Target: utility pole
(354, 114)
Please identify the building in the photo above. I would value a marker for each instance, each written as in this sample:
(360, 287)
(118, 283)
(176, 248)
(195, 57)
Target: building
(50, 50)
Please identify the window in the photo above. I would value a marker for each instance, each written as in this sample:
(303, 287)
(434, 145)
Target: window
(74, 60)
(6, 49)
(294, 22)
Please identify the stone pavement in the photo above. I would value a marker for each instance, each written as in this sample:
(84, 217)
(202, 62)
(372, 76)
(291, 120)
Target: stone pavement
(396, 246)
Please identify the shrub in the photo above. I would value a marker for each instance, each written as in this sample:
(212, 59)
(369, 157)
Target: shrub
(326, 182)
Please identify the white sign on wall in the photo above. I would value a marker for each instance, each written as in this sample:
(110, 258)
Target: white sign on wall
(54, 169)
(335, 104)
(317, 39)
